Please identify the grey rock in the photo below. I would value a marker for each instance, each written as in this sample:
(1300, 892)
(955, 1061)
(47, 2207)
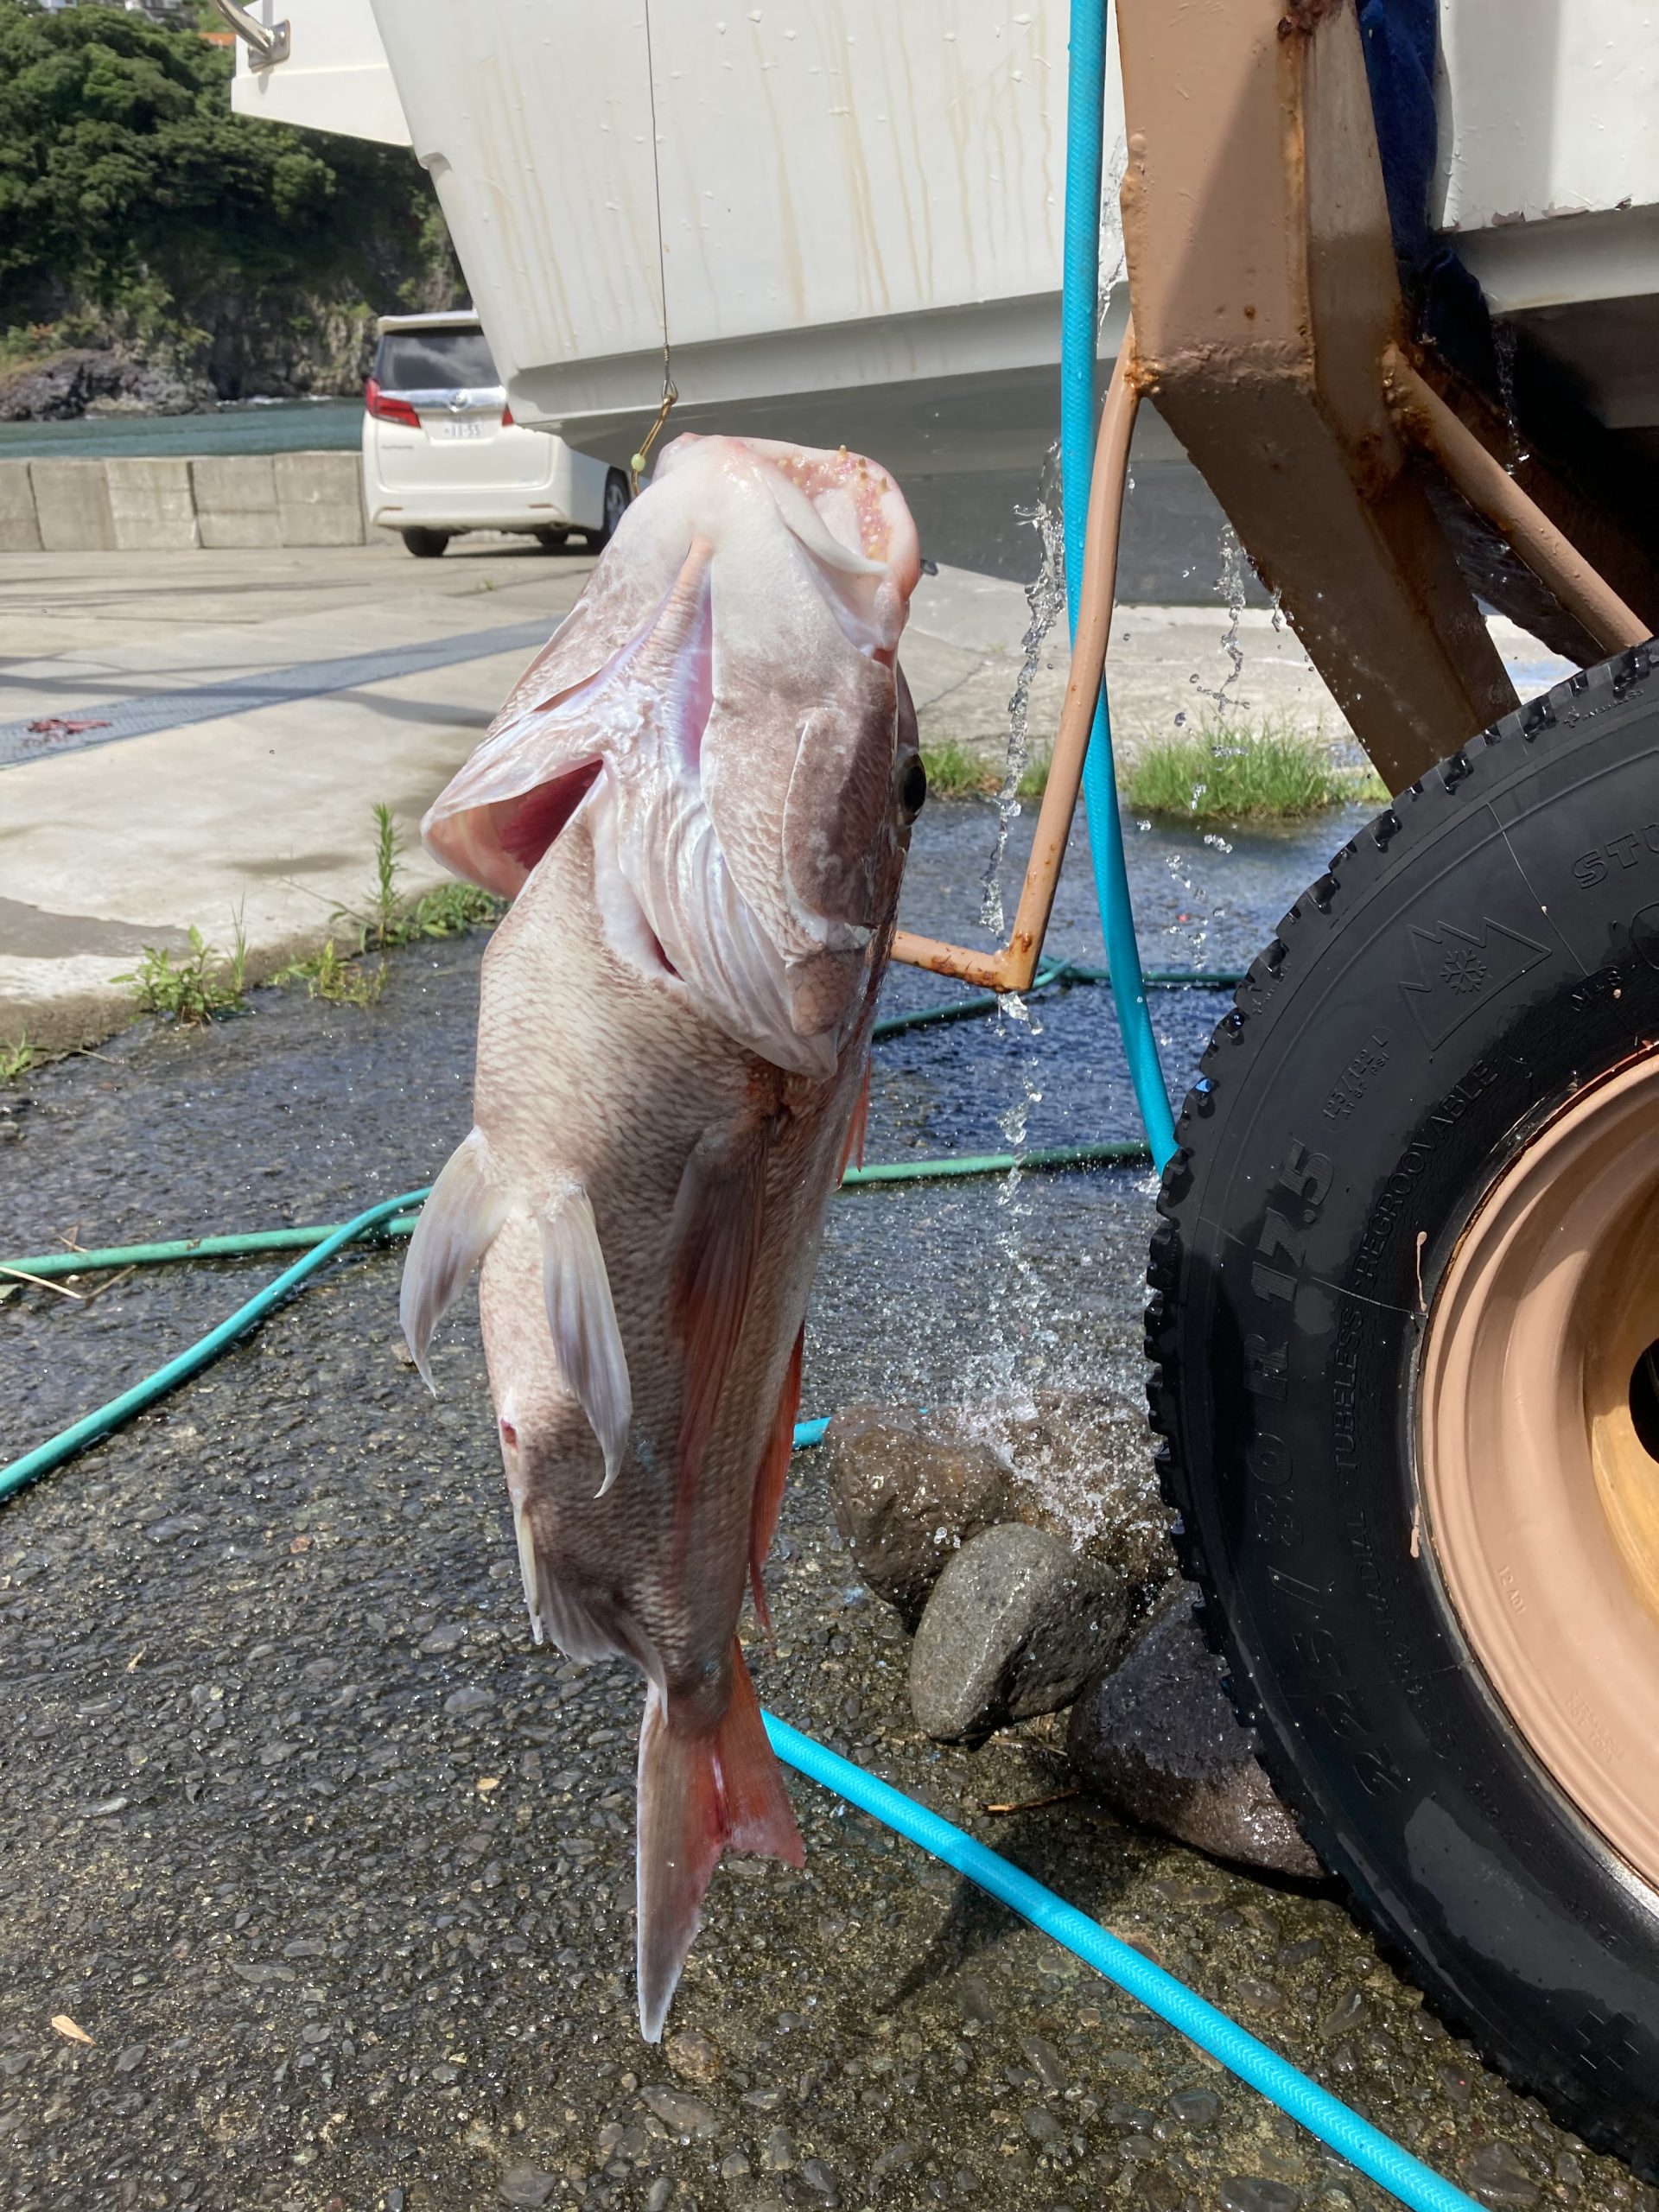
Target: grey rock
(735, 2165)
(471, 1699)
(778, 2152)
(445, 1638)
(911, 1485)
(1043, 2127)
(1344, 2015)
(819, 2179)
(526, 2185)
(1196, 2107)
(1253, 2193)
(1047, 2061)
(683, 2114)
(693, 2056)
(89, 380)
(658, 2195)
(973, 1996)
(905, 1500)
(1157, 1736)
(1495, 2176)
(1016, 1624)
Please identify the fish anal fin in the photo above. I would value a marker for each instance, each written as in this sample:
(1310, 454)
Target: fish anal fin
(853, 1150)
(457, 1226)
(716, 1239)
(769, 1481)
(701, 1792)
(582, 1320)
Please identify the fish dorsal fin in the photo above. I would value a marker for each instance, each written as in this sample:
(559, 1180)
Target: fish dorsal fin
(768, 1498)
(716, 1240)
(457, 1226)
(582, 1320)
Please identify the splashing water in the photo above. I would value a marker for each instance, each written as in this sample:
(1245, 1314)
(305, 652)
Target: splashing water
(1231, 583)
(1503, 342)
(1020, 1337)
(1045, 596)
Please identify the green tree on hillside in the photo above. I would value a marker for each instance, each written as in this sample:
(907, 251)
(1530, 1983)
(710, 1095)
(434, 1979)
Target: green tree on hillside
(136, 207)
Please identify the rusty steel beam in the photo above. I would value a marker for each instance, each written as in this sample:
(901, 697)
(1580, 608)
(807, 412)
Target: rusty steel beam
(1265, 293)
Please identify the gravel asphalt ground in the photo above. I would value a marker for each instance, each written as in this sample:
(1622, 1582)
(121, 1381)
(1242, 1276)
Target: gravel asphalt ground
(334, 1869)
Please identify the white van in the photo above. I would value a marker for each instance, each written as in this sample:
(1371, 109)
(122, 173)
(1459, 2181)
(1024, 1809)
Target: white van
(441, 453)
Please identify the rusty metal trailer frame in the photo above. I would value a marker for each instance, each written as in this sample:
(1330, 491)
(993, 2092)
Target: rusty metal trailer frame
(1270, 329)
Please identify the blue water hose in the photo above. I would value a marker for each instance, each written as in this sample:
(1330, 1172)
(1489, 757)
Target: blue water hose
(70, 1441)
(1324, 2115)
(1079, 324)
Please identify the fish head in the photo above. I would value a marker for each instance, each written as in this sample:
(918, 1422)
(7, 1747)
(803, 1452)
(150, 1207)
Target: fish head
(725, 705)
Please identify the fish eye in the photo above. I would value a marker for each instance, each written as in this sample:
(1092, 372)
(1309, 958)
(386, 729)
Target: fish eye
(912, 786)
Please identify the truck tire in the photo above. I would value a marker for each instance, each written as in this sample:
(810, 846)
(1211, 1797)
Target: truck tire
(1404, 1322)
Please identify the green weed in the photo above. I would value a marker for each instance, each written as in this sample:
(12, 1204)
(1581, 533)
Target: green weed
(200, 988)
(451, 910)
(330, 974)
(959, 771)
(385, 918)
(16, 1060)
(1232, 772)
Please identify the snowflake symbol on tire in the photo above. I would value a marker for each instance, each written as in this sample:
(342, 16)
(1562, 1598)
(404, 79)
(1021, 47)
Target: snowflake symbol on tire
(1464, 970)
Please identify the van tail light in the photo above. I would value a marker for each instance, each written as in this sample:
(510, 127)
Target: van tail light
(506, 418)
(387, 410)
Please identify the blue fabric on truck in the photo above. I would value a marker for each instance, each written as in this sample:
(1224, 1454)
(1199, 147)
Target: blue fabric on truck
(1400, 42)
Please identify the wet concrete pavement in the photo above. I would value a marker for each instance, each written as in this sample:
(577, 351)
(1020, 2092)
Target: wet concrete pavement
(336, 1868)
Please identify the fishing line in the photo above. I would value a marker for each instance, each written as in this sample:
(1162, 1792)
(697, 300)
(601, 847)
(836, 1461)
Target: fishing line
(638, 461)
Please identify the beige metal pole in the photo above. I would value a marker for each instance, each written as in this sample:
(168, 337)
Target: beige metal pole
(1425, 418)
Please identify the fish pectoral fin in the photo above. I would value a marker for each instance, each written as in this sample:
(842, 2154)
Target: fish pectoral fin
(701, 1792)
(581, 1318)
(715, 1239)
(458, 1224)
(768, 1498)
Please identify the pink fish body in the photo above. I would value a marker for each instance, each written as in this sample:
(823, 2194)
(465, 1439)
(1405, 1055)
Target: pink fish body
(699, 797)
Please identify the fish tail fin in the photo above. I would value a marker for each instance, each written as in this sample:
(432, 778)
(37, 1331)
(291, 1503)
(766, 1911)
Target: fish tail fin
(456, 1227)
(701, 1792)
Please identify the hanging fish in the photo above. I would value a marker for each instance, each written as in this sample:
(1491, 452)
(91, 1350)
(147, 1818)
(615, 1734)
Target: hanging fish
(699, 800)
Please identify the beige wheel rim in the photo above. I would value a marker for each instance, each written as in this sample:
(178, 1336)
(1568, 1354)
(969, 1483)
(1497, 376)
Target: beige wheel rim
(1541, 1496)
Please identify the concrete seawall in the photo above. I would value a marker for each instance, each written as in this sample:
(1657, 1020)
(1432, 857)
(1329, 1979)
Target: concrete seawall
(173, 503)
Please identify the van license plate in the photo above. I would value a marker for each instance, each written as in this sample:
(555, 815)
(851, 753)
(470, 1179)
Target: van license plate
(459, 430)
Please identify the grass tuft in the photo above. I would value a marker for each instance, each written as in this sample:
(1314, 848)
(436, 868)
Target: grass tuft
(450, 910)
(1232, 772)
(16, 1060)
(385, 920)
(958, 771)
(200, 988)
(333, 975)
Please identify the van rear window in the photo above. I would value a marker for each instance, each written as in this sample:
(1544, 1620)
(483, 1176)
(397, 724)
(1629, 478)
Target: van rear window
(433, 361)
